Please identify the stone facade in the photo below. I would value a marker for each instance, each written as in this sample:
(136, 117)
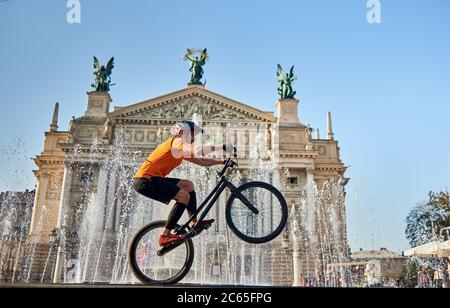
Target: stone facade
(287, 142)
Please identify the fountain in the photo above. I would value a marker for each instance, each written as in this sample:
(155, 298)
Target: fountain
(94, 234)
(316, 224)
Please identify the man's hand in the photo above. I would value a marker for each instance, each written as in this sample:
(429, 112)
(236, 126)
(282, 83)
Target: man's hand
(230, 163)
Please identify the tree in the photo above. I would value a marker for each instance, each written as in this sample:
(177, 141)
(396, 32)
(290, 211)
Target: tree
(425, 221)
(410, 276)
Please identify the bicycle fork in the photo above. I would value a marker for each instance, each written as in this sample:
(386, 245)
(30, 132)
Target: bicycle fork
(243, 199)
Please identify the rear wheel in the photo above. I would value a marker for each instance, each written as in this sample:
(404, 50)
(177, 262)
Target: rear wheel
(264, 226)
(150, 268)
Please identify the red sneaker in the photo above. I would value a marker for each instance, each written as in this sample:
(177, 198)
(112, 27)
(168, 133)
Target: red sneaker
(166, 239)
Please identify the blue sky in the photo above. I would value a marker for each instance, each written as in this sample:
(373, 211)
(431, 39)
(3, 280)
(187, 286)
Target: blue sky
(386, 84)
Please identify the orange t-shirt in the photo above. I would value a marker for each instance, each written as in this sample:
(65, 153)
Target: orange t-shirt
(161, 161)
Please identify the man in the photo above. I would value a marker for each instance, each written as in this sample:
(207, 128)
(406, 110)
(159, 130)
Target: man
(151, 179)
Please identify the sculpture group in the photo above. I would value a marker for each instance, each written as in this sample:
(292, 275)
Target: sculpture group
(197, 59)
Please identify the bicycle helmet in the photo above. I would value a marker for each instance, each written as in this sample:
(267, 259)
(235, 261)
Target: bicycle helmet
(186, 127)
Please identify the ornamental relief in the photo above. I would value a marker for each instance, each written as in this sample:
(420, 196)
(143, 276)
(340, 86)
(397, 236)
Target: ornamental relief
(97, 103)
(89, 132)
(186, 109)
(321, 149)
(138, 135)
(154, 135)
(54, 187)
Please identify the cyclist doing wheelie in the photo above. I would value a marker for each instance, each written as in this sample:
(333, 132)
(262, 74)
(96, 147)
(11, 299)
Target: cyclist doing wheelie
(151, 179)
(255, 211)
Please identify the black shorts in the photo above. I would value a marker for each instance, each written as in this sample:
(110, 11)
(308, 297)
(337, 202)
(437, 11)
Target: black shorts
(157, 188)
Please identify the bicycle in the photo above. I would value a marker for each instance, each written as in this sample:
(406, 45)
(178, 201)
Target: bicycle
(256, 212)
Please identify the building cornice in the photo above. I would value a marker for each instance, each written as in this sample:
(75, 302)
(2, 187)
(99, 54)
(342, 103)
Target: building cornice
(299, 154)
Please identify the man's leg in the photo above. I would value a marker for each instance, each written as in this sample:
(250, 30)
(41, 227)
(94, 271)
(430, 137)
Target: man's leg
(182, 198)
(164, 190)
(192, 205)
(188, 186)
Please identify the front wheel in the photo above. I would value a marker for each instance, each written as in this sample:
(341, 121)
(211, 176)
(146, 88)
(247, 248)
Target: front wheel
(149, 267)
(270, 220)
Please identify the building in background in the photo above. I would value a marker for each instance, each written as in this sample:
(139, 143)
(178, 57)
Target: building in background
(76, 182)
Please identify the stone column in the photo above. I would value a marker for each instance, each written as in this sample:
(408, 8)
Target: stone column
(297, 258)
(64, 204)
(112, 180)
(310, 202)
(101, 193)
(65, 194)
(36, 204)
(103, 215)
(40, 204)
(296, 235)
(309, 176)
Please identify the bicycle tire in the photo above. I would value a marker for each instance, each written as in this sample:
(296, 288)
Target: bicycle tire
(274, 233)
(135, 266)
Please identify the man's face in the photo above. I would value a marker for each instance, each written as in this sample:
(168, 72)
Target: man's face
(191, 134)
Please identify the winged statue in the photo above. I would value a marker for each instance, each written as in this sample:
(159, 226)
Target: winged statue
(196, 63)
(286, 80)
(102, 75)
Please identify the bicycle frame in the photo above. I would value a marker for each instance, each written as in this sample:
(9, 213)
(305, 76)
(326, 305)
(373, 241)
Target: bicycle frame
(214, 195)
(207, 204)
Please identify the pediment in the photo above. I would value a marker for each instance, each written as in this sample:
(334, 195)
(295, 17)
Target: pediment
(196, 100)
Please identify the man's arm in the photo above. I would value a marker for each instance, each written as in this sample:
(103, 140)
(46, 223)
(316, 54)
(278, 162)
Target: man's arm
(206, 149)
(189, 150)
(205, 162)
(185, 150)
